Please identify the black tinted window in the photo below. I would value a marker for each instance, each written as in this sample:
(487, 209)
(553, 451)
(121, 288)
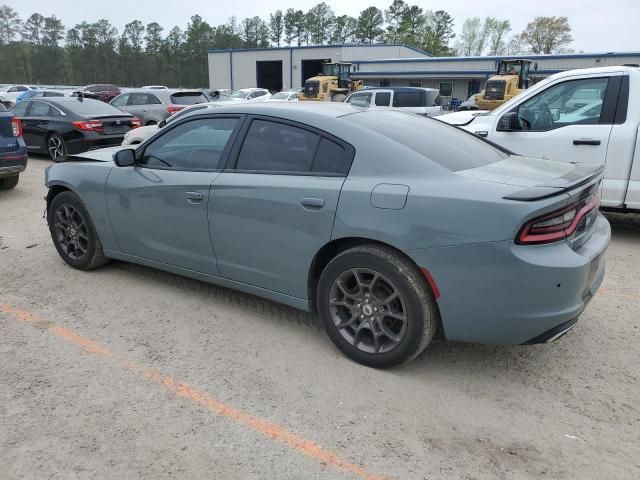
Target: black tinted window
(444, 144)
(383, 99)
(39, 109)
(193, 145)
(409, 99)
(276, 147)
(137, 99)
(53, 94)
(332, 158)
(20, 109)
(187, 98)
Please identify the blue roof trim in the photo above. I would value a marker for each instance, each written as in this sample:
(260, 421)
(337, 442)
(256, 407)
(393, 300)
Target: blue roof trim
(444, 72)
(226, 50)
(495, 58)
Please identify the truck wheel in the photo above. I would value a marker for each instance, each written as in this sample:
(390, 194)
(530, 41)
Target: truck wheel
(376, 306)
(338, 97)
(9, 182)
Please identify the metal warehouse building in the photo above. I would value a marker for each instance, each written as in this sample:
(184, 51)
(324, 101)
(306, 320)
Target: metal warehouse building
(384, 65)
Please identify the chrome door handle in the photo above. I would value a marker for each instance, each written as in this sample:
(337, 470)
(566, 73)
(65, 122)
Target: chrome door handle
(315, 203)
(194, 197)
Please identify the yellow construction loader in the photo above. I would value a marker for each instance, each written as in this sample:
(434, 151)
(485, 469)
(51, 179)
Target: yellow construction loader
(511, 79)
(332, 85)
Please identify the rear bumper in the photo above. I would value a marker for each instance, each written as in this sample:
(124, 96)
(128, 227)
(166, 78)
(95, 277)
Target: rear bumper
(91, 141)
(507, 294)
(12, 163)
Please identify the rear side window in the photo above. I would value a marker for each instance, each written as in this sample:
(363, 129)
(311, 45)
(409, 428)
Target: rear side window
(137, 99)
(277, 147)
(152, 99)
(187, 98)
(444, 144)
(39, 109)
(331, 158)
(409, 99)
(383, 99)
(20, 109)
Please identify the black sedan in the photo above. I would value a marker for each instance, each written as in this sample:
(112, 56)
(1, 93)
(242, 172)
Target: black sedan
(70, 125)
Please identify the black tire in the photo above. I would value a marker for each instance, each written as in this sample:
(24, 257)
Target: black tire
(338, 97)
(9, 182)
(56, 148)
(87, 252)
(414, 295)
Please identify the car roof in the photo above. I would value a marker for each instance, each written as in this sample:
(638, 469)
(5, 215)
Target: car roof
(400, 89)
(63, 101)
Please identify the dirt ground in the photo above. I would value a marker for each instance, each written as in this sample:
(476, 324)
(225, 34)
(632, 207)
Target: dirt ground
(126, 372)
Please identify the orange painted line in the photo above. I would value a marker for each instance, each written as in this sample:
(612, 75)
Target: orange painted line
(197, 397)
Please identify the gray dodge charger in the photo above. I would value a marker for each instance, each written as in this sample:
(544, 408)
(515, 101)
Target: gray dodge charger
(388, 224)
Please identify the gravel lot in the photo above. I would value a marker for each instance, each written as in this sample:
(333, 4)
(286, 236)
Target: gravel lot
(188, 380)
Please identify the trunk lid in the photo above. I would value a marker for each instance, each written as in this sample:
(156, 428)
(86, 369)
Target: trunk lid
(538, 178)
(113, 124)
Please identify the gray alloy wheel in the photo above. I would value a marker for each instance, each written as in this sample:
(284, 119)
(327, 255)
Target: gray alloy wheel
(71, 232)
(55, 147)
(368, 310)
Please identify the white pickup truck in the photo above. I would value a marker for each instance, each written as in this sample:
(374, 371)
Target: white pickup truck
(590, 115)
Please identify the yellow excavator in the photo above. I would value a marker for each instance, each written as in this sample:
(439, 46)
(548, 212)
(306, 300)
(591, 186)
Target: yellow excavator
(511, 79)
(332, 85)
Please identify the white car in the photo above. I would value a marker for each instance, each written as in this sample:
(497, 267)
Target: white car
(423, 101)
(140, 134)
(250, 94)
(589, 115)
(155, 87)
(9, 93)
(286, 96)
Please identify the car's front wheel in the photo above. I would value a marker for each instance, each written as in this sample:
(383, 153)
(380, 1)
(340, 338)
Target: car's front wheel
(56, 147)
(376, 306)
(73, 232)
(9, 182)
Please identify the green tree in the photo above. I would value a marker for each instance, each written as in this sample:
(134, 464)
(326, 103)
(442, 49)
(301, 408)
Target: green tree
(33, 29)
(276, 25)
(319, 23)
(344, 30)
(412, 25)
(289, 26)
(10, 24)
(394, 15)
(498, 31)
(546, 35)
(369, 26)
(437, 33)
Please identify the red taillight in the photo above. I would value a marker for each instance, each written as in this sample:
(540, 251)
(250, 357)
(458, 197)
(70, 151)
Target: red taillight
(88, 125)
(559, 224)
(173, 109)
(16, 126)
(135, 122)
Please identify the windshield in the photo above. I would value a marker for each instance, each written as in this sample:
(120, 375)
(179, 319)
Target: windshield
(88, 107)
(281, 96)
(238, 94)
(510, 68)
(188, 98)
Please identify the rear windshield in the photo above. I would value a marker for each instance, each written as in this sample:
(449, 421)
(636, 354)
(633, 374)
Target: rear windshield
(89, 107)
(188, 98)
(446, 145)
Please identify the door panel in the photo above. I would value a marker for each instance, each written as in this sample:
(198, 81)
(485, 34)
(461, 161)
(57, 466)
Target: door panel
(161, 215)
(266, 228)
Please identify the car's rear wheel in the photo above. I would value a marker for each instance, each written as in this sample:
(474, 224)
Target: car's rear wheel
(9, 182)
(376, 306)
(73, 232)
(56, 147)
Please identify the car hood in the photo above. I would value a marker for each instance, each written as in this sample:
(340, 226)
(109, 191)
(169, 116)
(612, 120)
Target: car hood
(99, 155)
(462, 118)
(531, 172)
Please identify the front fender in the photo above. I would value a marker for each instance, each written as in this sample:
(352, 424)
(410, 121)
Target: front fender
(88, 181)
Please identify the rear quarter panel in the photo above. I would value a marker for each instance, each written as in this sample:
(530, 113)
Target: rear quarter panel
(88, 181)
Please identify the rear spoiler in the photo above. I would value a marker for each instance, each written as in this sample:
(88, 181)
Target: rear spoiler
(581, 175)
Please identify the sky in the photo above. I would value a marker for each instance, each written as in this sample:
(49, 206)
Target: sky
(597, 26)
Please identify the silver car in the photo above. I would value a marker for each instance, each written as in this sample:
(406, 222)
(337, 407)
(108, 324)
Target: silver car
(152, 106)
(388, 224)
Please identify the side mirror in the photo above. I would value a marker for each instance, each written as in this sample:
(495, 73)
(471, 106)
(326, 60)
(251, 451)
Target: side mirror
(125, 158)
(162, 123)
(509, 122)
